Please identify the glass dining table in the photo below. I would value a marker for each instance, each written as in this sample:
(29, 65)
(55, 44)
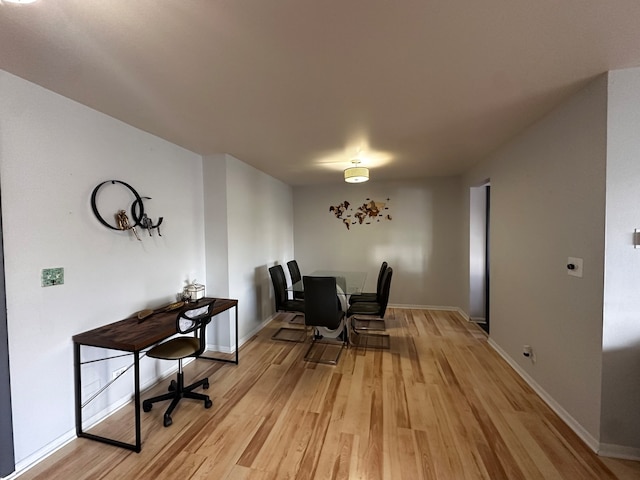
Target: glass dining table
(348, 283)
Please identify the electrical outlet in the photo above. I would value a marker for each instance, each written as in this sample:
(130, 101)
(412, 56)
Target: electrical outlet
(574, 266)
(52, 276)
(116, 373)
(527, 351)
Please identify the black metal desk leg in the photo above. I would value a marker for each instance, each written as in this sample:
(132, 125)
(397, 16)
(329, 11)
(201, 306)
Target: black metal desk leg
(237, 346)
(77, 371)
(136, 374)
(226, 360)
(77, 376)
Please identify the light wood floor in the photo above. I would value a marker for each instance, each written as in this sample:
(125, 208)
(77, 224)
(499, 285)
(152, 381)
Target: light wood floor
(441, 404)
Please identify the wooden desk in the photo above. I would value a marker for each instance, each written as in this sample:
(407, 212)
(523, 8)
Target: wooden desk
(131, 335)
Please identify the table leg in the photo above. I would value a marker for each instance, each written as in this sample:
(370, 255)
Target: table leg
(226, 359)
(237, 346)
(136, 374)
(77, 370)
(77, 376)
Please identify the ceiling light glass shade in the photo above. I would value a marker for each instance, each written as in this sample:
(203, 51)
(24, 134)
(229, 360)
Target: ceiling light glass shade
(356, 174)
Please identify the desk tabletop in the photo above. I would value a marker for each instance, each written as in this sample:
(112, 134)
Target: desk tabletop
(132, 335)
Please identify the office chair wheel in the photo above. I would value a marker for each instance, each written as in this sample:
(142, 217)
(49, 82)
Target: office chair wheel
(208, 403)
(205, 385)
(167, 420)
(146, 406)
(172, 386)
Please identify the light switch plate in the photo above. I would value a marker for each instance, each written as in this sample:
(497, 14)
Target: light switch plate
(52, 276)
(577, 266)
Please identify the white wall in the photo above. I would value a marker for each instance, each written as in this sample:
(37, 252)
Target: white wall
(220, 333)
(53, 152)
(621, 339)
(258, 233)
(547, 203)
(421, 242)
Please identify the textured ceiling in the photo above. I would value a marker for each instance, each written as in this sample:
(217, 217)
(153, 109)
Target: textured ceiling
(297, 87)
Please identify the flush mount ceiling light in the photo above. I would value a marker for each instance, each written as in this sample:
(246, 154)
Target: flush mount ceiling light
(356, 174)
(18, 1)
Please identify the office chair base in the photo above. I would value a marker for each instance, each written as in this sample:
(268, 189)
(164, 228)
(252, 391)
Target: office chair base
(177, 391)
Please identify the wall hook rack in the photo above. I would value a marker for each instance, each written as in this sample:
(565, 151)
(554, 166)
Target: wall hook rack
(138, 215)
(145, 221)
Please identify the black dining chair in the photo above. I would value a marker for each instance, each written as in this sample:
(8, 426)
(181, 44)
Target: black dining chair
(294, 273)
(190, 319)
(370, 296)
(373, 313)
(323, 311)
(284, 304)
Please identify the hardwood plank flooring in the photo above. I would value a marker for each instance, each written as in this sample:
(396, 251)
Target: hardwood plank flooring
(440, 404)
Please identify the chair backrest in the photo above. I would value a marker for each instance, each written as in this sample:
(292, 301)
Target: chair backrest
(386, 289)
(279, 285)
(321, 304)
(383, 268)
(195, 317)
(294, 271)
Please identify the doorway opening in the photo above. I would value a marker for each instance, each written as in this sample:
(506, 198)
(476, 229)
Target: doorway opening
(479, 208)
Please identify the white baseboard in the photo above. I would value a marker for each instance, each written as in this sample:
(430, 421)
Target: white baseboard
(462, 313)
(219, 348)
(426, 307)
(30, 461)
(619, 451)
(586, 437)
(421, 307)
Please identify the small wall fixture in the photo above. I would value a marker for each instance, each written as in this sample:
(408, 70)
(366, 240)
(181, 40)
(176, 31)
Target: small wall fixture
(356, 174)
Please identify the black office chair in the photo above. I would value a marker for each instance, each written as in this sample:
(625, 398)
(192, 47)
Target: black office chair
(376, 312)
(323, 311)
(371, 296)
(294, 273)
(284, 304)
(192, 319)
